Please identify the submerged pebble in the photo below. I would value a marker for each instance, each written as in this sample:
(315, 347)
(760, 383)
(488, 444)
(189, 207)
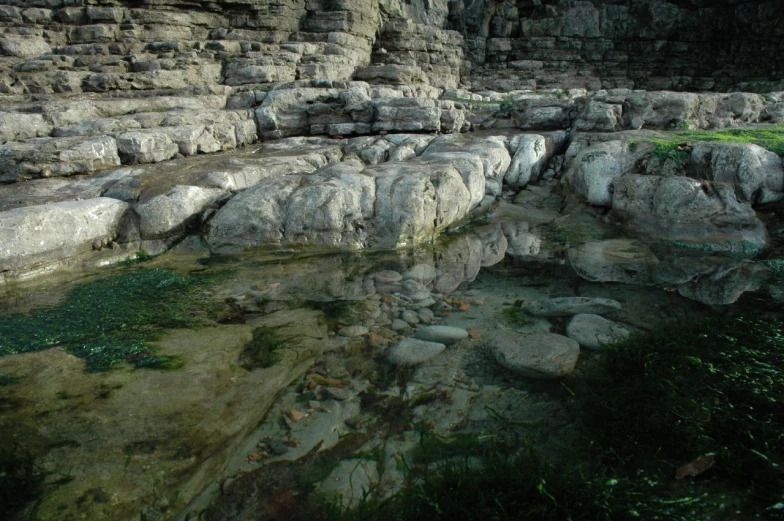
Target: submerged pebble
(353, 331)
(411, 351)
(591, 331)
(443, 334)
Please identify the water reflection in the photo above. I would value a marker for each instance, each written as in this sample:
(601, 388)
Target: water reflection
(127, 441)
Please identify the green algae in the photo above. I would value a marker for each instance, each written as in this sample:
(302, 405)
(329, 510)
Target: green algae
(109, 321)
(646, 407)
(264, 349)
(671, 147)
(713, 387)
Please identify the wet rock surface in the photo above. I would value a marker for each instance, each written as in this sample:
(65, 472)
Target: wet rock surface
(489, 209)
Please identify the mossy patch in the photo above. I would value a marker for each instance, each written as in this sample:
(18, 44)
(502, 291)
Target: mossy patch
(516, 316)
(264, 349)
(771, 138)
(109, 321)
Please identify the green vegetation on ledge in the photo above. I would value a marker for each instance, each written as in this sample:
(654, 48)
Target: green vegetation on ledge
(770, 137)
(108, 321)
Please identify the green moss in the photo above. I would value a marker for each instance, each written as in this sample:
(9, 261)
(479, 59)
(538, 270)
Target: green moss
(771, 138)
(264, 348)
(108, 321)
(515, 316)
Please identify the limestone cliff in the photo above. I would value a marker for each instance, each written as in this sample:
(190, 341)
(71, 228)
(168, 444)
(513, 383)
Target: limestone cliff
(110, 45)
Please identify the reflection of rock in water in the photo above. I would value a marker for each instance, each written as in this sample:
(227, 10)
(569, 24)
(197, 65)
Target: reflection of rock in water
(710, 280)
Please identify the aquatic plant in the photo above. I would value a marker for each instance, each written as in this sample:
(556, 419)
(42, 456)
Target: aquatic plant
(21, 479)
(264, 348)
(714, 387)
(109, 321)
(683, 423)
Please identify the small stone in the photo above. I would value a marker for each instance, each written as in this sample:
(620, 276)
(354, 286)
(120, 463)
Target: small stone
(411, 351)
(295, 415)
(542, 356)
(336, 393)
(442, 305)
(420, 304)
(426, 315)
(353, 331)
(565, 306)
(414, 290)
(388, 277)
(410, 317)
(399, 325)
(591, 331)
(442, 334)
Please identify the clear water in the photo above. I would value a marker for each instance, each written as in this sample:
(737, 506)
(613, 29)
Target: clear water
(273, 356)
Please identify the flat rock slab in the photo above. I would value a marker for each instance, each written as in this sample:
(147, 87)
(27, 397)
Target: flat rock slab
(542, 356)
(411, 351)
(591, 331)
(49, 233)
(566, 306)
(442, 334)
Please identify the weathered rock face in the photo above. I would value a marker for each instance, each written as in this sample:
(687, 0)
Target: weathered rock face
(678, 208)
(47, 234)
(658, 44)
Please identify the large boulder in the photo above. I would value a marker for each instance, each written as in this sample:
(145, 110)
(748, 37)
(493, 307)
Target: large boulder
(596, 168)
(166, 214)
(757, 174)
(530, 156)
(491, 151)
(37, 236)
(683, 209)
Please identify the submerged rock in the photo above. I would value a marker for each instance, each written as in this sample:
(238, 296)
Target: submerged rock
(543, 356)
(565, 306)
(411, 351)
(350, 481)
(442, 334)
(592, 331)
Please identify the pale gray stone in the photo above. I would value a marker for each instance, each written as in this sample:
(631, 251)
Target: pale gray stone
(43, 235)
(542, 356)
(442, 334)
(592, 331)
(353, 331)
(146, 147)
(388, 277)
(411, 351)
(410, 316)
